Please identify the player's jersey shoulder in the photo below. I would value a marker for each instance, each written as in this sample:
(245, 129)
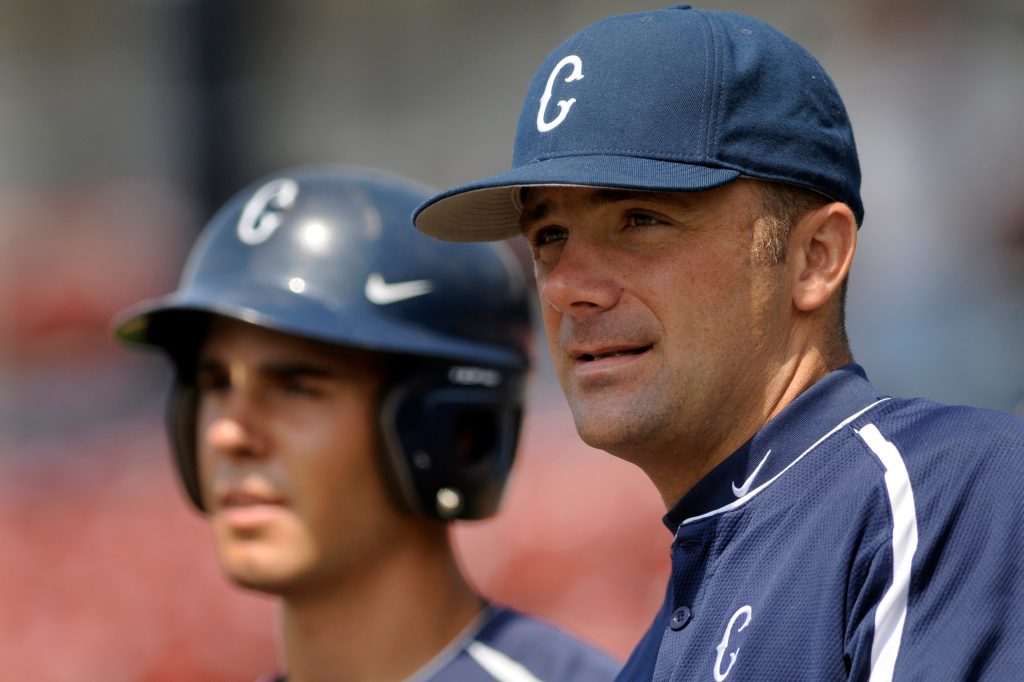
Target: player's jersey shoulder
(952, 526)
(960, 445)
(503, 645)
(508, 646)
(921, 422)
(546, 651)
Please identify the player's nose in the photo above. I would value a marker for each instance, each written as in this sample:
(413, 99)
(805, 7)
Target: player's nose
(234, 430)
(579, 283)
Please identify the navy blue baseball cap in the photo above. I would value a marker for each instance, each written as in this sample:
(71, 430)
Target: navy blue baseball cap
(677, 99)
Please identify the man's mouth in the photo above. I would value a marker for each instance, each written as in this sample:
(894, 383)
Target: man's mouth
(246, 511)
(590, 357)
(246, 498)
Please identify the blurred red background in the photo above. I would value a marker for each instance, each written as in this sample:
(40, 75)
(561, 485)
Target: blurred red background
(110, 576)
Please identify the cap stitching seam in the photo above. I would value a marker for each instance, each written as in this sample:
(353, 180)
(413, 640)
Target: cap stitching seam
(711, 50)
(635, 153)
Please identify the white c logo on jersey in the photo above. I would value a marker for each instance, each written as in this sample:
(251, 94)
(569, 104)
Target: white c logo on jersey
(563, 105)
(263, 212)
(745, 611)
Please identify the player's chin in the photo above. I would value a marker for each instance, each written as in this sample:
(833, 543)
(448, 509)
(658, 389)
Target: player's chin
(267, 563)
(260, 571)
(600, 430)
(610, 426)
(261, 582)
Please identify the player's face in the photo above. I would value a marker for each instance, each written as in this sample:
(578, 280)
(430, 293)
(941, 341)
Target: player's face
(661, 325)
(286, 445)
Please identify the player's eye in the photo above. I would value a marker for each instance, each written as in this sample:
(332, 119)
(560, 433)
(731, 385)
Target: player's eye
(301, 384)
(303, 388)
(208, 379)
(641, 220)
(547, 235)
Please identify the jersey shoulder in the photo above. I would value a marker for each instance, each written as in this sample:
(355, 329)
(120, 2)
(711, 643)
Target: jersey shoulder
(964, 469)
(547, 652)
(953, 476)
(924, 429)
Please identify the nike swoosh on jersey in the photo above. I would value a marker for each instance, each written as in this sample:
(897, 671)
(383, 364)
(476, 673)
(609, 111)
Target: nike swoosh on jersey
(740, 491)
(380, 292)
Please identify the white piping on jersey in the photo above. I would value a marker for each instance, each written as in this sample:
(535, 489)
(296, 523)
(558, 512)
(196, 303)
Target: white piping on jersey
(500, 666)
(891, 612)
(750, 495)
(453, 648)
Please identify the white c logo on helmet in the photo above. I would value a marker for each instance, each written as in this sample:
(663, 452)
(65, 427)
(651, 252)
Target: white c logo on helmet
(262, 214)
(563, 105)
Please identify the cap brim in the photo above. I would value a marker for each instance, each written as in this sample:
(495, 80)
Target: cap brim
(162, 324)
(485, 210)
(151, 323)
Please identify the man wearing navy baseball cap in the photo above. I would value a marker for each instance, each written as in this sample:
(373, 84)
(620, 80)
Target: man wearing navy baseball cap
(690, 189)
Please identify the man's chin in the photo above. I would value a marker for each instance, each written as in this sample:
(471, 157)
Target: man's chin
(263, 584)
(613, 431)
(260, 572)
(266, 582)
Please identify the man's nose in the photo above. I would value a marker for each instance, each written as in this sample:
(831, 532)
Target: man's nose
(580, 283)
(234, 430)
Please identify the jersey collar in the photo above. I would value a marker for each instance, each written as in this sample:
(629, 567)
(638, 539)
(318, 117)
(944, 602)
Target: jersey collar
(820, 410)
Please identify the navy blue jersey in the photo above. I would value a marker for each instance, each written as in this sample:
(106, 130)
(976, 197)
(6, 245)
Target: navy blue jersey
(506, 646)
(855, 537)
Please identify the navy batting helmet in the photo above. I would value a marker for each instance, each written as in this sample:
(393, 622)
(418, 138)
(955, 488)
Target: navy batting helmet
(329, 254)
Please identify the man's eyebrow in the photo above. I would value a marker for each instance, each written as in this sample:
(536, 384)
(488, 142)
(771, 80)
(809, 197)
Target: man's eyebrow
(276, 370)
(533, 214)
(294, 370)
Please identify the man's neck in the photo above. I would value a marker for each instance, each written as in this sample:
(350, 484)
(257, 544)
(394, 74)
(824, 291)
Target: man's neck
(383, 623)
(677, 475)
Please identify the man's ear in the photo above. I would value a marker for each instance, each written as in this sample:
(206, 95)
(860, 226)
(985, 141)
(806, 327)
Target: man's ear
(821, 247)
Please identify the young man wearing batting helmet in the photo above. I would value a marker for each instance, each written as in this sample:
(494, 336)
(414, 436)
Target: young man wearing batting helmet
(340, 394)
(689, 186)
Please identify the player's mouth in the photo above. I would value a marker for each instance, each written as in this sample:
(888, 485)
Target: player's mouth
(245, 498)
(247, 508)
(610, 353)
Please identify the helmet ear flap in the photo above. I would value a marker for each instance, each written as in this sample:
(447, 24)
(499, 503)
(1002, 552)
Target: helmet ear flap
(449, 446)
(181, 414)
(183, 334)
(182, 407)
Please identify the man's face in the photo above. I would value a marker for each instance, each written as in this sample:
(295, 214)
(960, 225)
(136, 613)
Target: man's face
(286, 447)
(663, 323)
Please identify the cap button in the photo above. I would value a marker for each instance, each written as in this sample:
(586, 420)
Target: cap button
(681, 6)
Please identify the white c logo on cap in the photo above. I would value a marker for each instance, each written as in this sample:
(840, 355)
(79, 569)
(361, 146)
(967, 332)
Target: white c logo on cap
(563, 105)
(263, 212)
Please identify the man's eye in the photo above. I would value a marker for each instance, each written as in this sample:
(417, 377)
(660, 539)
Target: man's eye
(301, 386)
(207, 380)
(641, 220)
(548, 235)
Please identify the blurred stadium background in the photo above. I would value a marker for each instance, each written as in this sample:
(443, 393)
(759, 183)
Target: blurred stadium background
(124, 124)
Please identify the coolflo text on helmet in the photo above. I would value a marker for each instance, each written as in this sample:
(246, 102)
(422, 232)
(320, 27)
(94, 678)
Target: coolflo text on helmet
(329, 254)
